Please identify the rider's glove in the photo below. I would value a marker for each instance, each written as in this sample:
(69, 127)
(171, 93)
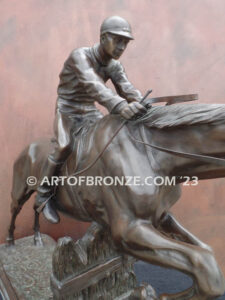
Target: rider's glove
(131, 110)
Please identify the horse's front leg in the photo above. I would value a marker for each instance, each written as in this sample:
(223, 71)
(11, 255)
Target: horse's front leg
(37, 235)
(140, 239)
(171, 227)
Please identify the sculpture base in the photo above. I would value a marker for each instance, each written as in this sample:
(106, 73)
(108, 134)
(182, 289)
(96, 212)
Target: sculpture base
(25, 269)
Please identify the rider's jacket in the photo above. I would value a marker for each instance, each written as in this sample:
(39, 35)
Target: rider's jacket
(82, 83)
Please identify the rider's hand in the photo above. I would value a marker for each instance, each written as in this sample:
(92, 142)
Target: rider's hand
(132, 109)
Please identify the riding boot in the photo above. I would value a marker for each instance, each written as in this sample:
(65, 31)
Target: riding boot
(45, 192)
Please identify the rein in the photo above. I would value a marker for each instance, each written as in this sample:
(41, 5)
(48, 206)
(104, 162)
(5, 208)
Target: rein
(204, 158)
(108, 143)
(170, 100)
(102, 151)
(39, 209)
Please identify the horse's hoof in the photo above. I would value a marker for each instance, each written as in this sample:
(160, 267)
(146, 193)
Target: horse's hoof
(144, 291)
(163, 297)
(38, 240)
(10, 241)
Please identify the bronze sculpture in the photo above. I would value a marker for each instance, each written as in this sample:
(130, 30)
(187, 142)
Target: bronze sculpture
(138, 215)
(81, 83)
(168, 142)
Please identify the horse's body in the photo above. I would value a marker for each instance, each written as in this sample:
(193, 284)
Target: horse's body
(137, 212)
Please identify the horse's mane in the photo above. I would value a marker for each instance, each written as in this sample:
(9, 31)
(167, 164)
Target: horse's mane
(183, 114)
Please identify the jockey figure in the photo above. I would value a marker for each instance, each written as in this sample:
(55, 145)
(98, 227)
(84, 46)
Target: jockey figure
(81, 84)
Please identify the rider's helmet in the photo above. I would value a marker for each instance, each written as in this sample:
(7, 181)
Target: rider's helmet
(118, 26)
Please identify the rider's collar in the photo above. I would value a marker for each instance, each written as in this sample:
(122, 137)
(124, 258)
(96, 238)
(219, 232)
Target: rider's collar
(103, 61)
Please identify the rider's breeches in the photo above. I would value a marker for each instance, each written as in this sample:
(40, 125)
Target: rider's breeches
(63, 128)
(66, 126)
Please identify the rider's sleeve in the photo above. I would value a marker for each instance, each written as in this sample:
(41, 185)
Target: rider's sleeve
(91, 83)
(123, 86)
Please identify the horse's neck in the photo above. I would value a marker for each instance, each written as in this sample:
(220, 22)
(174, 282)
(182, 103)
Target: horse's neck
(198, 139)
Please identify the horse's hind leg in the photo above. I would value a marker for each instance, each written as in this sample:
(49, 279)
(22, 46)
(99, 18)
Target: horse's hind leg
(37, 235)
(10, 237)
(140, 239)
(14, 212)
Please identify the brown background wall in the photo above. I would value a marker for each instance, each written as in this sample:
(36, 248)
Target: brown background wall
(179, 48)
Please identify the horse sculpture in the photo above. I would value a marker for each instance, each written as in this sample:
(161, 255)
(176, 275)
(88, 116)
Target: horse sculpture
(168, 142)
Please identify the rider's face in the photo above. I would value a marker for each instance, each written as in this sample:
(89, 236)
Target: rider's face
(114, 45)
